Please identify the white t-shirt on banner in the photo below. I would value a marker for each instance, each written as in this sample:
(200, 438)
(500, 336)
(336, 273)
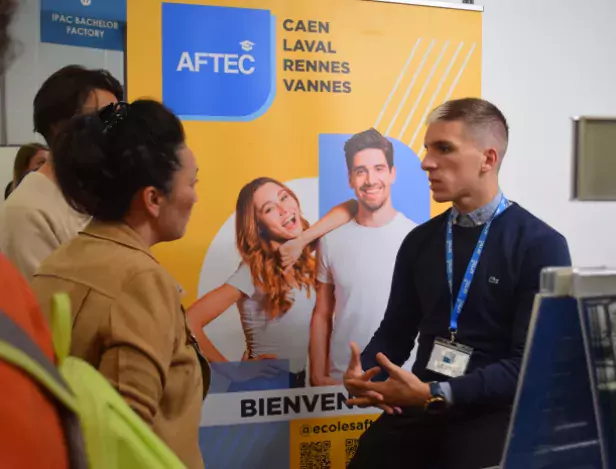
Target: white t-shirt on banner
(359, 261)
(286, 336)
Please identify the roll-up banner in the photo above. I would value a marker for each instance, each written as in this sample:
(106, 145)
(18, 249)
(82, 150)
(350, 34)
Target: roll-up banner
(307, 120)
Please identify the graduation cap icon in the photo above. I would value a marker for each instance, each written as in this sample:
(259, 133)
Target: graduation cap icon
(247, 45)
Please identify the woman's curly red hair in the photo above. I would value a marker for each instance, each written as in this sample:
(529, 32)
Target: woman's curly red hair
(256, 250)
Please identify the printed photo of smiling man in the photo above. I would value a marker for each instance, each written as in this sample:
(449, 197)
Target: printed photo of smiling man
(356, 261)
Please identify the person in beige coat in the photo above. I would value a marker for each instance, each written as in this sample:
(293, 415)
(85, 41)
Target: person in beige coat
(129, 168)
(36, 219)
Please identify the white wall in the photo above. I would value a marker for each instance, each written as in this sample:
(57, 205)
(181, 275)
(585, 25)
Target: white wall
(36, 61)
(545, 61)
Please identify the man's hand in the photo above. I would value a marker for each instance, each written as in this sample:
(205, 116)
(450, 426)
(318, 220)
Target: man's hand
(401, 389)
(355, 378)
(290, 252)
(354, 371)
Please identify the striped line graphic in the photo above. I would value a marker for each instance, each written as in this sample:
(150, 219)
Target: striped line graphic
(422, 150)
(395, 88)
(434, 98)
(423, 90)
(455, 82)
(410, 87)
(435, 94)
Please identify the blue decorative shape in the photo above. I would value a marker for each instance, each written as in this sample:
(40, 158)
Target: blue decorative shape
(246, 446)
(252, 375)
(410, 193)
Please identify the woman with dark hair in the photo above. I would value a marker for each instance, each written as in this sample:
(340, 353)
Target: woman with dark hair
(129, 168)
(30, 157)
(274, 286)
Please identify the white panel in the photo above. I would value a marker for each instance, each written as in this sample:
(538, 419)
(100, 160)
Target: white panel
(281, 405)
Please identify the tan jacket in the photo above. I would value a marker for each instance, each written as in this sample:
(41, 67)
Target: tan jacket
(128, 323)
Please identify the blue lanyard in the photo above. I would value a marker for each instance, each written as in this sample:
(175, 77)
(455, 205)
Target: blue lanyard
(470, 269)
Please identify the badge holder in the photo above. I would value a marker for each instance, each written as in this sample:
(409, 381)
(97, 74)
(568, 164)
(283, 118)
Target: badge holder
(449, 358)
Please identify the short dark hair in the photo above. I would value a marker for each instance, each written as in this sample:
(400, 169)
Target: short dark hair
(370, 138)
(100, 167)
(64, 94)
(478, 115)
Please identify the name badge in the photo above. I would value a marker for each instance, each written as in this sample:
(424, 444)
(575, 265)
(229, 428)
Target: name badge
(449, 358)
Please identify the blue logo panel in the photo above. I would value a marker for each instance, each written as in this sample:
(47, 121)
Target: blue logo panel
(99, 24)
(218, 62)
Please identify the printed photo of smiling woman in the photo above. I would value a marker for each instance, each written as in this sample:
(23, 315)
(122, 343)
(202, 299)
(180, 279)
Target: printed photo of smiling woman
(273, 287)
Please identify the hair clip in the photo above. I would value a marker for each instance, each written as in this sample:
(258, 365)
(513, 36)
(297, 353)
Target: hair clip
(112, 114)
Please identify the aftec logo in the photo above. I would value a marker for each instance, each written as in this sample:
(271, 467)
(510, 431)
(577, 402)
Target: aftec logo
(218, 62)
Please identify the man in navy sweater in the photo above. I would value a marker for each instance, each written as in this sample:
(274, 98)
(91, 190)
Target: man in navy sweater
(465, 281)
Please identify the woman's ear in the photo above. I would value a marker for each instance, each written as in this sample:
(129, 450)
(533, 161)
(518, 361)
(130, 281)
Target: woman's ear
(151, 199)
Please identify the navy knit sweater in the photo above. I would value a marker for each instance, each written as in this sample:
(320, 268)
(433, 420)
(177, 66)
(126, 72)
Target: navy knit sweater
(495, 317)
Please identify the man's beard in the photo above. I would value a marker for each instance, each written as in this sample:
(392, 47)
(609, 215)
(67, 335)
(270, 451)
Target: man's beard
(374, 206)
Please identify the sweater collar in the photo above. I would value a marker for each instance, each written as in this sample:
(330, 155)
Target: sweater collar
(479, 216)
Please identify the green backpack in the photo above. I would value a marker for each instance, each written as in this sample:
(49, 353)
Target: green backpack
(114, 435)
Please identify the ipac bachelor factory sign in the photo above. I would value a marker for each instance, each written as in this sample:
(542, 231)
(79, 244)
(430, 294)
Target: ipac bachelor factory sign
(99, 24)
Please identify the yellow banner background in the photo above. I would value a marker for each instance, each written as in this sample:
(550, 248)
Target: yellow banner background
(376, 38)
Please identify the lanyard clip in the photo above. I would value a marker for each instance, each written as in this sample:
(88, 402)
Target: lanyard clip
(452, 335)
